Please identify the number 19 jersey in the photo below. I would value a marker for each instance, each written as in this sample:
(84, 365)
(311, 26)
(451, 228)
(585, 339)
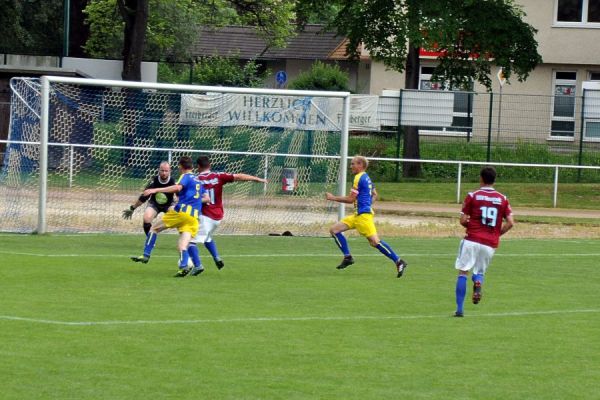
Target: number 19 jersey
(486, 209)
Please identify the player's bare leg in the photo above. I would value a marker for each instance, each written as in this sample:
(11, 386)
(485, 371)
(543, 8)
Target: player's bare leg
(149, 215)
(387, 251)
(336, 232)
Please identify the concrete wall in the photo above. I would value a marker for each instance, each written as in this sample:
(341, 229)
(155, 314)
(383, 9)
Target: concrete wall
(560, 44)
(108, 69)
(384, 78)
(29, 61)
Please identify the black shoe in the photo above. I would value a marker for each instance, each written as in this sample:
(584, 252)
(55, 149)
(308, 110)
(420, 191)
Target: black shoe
(182, 272)
(346, 262)
(142, 259)
(219, 263)
(196, 271)
(476, 292)
(459, 314)
(400, 267)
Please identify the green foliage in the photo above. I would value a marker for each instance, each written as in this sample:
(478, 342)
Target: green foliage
(174, 25)
(172, 28)
(470, 35)
(31, 27)
(224, 71)
(321, 77)
(214, 71)
(381, 145)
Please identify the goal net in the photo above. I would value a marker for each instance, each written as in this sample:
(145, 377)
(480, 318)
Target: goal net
(106, 139)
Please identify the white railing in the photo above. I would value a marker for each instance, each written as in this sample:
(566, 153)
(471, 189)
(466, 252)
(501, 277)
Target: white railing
(267, 155)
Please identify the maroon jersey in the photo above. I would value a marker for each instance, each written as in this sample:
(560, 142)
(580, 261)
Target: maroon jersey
(213, 183)
(486, 209)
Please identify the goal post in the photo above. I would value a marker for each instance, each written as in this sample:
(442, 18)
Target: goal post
(97, 142)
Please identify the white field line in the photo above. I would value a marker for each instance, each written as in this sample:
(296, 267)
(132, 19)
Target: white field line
(373, 254)
(290, 319)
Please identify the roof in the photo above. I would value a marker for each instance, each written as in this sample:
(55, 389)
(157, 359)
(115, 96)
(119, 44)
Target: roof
(312, 43)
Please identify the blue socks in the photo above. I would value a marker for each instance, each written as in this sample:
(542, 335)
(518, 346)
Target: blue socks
(461, 291)
(183, 258)
(149, 245)
(194, 254)
(342, 243)
(387, 251)
(212, 249)
(477, 277)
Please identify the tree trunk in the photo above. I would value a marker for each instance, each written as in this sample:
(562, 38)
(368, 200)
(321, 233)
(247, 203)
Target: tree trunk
(135, 15)
(411, 133)
(80, 31)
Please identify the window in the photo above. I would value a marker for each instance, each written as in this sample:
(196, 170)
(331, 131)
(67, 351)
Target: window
(594, 76)
(578, 11)
(563, 104)
(462, 119)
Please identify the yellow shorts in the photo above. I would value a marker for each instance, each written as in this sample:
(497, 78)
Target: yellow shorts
(182, 221)
(363, 223)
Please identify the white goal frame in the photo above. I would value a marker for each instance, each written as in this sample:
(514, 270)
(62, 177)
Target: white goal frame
(45, 121)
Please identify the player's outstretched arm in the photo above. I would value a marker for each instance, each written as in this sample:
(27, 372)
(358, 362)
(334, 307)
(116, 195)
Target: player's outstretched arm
(246, 177)
(341, 199)
(168, 189)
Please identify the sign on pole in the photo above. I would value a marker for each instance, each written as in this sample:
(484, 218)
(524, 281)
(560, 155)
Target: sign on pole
(501, 77)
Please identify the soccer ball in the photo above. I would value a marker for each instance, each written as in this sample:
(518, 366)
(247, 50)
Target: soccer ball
(190, 263)
(161, 198)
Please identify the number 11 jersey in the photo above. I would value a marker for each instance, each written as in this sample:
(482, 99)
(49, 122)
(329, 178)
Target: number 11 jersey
(486, 209)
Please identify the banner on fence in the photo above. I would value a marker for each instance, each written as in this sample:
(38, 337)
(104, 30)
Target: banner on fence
(292, 112)
(427, 108)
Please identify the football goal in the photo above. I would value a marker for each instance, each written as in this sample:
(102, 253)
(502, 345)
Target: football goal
(80, 151)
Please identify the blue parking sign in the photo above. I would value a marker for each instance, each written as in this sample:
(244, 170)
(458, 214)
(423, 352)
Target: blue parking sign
(281, 77)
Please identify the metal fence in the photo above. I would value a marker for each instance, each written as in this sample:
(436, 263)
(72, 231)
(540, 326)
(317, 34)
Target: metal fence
(492, 127)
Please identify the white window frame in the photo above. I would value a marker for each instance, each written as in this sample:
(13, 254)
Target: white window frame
(590, 72)
(557, 82)
(444, 131)
(579, 24)
(585, 136)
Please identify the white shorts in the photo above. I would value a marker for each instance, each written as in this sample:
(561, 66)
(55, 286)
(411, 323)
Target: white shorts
(472, 255)
(206, 229)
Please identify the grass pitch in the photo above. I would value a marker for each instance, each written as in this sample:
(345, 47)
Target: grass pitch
(79, 320)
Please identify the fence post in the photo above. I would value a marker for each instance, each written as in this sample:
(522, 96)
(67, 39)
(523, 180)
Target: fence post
(398, 136)
(554, 201)
(170, 156)
(580, 157)
(71, 157)
(458, 183)
(489, 138)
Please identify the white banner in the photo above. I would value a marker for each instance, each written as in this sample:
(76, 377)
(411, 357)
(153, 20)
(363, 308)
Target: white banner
(427, 108)
(292, 112)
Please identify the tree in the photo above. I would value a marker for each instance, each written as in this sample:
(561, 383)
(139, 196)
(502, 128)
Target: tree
(135, 16)
(172, 26)
(31, 27)
(470, 35)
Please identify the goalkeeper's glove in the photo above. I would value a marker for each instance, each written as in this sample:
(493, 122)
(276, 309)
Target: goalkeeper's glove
(128, 213)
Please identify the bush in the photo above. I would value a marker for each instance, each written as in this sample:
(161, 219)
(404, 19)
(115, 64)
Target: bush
(321, 77)
(214, 71)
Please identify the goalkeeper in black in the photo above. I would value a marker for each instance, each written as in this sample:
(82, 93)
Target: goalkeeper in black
(158, 202)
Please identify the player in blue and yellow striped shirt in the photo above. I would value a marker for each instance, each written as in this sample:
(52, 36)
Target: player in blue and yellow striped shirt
(184, 216)
(362, 195)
